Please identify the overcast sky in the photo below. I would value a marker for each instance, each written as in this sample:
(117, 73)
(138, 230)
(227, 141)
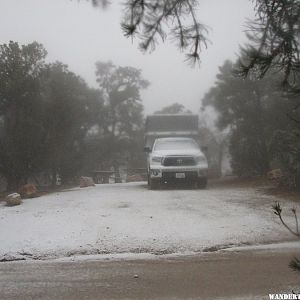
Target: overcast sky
(79, 35)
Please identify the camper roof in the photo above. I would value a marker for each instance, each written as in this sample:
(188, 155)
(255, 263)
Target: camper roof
(171, 122)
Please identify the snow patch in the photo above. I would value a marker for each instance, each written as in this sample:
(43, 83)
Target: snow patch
(128, 218)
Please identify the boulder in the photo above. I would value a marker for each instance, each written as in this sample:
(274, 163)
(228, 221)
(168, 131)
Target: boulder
(282, 179)
(28, 191)
(86, 181)
(13, 199)
(134, 178)
(275, 175)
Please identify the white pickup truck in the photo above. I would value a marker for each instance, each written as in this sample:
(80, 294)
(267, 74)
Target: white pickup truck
(173, 153)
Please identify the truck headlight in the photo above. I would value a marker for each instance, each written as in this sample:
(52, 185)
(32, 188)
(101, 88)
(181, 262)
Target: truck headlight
(200, 159)
(156, 173)
(156, 159)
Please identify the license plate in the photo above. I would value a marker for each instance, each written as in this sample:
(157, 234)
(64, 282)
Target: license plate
(180, 175)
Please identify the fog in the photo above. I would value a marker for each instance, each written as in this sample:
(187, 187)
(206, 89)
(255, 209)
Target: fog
(133, 175)
(78, 35)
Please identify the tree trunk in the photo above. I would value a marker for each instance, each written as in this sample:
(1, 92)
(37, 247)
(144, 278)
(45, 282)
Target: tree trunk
(117, 172)
(53, 177)
(14, 182)
(263, 149)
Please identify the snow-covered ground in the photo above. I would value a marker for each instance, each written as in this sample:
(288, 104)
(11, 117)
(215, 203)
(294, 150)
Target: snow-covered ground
(128, 218)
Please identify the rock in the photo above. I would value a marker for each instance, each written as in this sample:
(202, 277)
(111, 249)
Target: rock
(281, 178)
(86, 181)
(136, 276)
(8, 258)
(134, 178)
(275, 174)
(13, 199)
(28, 191)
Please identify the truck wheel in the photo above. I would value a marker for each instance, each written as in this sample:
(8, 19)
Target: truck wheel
(202, 183)
(153, 184)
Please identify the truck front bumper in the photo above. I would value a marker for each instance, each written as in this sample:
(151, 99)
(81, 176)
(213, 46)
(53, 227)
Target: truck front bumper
(177, 173)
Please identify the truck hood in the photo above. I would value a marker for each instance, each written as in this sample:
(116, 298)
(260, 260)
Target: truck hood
(183, 152)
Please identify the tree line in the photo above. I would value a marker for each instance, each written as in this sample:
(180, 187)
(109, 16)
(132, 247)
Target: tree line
(256, 113)
(49, 117)
(52, 122)
(258, 96)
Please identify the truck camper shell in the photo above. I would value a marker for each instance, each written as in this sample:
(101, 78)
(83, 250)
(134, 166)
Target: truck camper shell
(170, 125)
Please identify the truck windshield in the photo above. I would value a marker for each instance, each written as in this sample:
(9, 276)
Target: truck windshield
(175, 144)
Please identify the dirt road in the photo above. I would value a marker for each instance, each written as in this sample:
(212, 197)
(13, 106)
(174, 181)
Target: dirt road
(243, 275)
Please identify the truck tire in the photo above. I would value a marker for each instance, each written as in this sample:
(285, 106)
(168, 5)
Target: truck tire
(153, 184)
(202, 183)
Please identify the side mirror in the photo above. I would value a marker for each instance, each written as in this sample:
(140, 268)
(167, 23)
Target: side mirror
(204, 149)
(147, 149)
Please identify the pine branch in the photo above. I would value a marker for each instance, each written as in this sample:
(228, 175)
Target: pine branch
(295, 264)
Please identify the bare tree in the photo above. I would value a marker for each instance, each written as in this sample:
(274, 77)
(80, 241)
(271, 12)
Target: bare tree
(295, 263)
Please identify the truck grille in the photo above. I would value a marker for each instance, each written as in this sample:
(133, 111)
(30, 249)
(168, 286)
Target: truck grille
(171, 176)
(178, 161)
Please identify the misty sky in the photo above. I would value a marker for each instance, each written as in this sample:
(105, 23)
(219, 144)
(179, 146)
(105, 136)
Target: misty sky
(79, 35)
